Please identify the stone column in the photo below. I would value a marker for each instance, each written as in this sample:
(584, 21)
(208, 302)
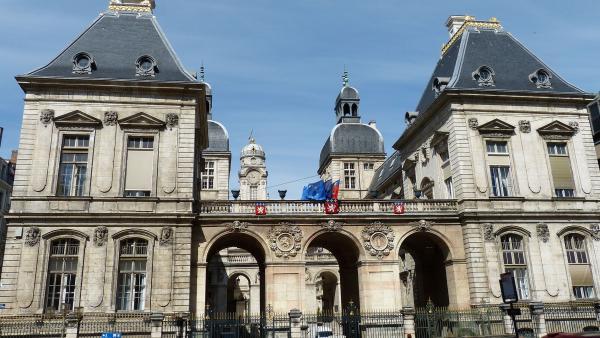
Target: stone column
(408, 317)
(157, 325)
(508, 325)
(71, 326)
(538, 318)
(295, 323)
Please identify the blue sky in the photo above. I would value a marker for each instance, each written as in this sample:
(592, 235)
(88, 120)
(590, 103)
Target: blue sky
(275, 66)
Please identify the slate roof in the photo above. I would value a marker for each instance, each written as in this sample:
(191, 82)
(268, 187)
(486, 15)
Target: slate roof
(351, 139)
(387, 170)
(116, 41)
(218, 137)
(510, 60)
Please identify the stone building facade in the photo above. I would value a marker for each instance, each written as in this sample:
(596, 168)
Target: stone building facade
(495, 172)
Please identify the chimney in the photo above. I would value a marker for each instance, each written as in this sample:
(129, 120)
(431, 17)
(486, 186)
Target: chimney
(373, 124)
(13, 156)
(454, 23)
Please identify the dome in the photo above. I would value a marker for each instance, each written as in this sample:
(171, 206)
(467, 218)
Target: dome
(348, 93)
(351, 139)
(253, 149)
(218, 137)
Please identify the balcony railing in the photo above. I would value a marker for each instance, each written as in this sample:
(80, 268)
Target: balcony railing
(311, 207)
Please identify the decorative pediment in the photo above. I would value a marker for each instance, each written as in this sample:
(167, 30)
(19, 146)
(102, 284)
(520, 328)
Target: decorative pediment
(77, 119)
(557, 130)
(496, 128)
(141, 120)
(438, 137)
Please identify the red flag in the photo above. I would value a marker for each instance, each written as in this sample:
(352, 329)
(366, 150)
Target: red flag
(335, 190)
(260, 209)
(399, 208)
(332, 206)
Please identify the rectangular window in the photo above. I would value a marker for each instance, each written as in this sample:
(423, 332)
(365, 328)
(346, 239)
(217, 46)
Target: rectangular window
(521, 280)
(72, 172)
(62, 272)
(513, 257)
(140, 166)
(560, 166)
(449, 187)
(131, 289)
(497, 147)
(208, 175)
(583, 292)
(501, 183)
(349, 176)
(253, 192)
(368, 166)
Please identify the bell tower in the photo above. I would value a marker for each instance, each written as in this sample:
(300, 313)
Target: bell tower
(347, 103)
(253, 172)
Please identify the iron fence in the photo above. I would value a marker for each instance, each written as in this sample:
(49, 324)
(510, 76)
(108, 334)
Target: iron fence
(263, 325)
(353, 324)
(571, 317)
(32, 326)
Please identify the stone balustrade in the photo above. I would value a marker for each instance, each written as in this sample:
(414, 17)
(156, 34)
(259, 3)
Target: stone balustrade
(312, 207)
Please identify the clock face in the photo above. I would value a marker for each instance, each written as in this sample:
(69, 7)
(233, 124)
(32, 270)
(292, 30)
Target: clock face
(253, 177)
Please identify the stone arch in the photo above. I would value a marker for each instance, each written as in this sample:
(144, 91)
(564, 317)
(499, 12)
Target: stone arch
(347, 234)
(135, 232)
(325, 270)
(441, 238)
(575, 229)
(226, 237)
(66, 233)
(512, 229)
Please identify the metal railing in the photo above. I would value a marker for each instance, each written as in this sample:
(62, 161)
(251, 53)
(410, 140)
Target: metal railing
(571, 317)
(312, 207)
(353, 324)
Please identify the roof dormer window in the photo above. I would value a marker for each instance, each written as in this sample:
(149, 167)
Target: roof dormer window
(146, 66)
(484, 76)
(439, 84)
(83, 63)
(541, 78)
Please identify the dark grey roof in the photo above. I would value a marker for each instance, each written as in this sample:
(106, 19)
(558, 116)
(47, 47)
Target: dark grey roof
(116, 41)
(352, 138)
(390, 168)
(348, 93)
(511, 62)
(218, 137)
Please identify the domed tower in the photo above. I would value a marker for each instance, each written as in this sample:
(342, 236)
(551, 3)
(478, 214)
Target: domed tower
(253, 172)
(353, 150)
(216, 159)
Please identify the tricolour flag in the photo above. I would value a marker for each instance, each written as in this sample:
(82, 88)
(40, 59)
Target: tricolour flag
(399, 208)
(260, 209)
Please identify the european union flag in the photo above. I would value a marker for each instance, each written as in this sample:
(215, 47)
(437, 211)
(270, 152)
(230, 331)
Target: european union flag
(315, 192)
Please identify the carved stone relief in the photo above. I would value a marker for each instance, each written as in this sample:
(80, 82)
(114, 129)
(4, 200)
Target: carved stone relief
(542, 232)
(100, 236)
(237, 226)
(111, 118)
(488, 232)
(166, 236)
(172, 120)
(422, 225)
(332, 226)
(46, 116)
(525, 126)
(574, 125)
(595, 229)
(378, 239)
(32, 236)
(473, 123)
(285, 240)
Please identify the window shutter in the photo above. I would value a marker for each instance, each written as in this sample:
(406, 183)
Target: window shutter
(561, 172)
(581, 275)
(140, 165)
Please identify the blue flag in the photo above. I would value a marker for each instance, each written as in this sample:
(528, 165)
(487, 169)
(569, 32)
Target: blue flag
(315, 192)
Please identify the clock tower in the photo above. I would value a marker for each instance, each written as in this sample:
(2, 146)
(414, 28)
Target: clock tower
(253, 172)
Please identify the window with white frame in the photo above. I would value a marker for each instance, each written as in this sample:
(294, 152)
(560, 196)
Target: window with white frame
(349, 176)
(62, 274)
(208, 175)
(368, 166)
(579, 266)
(72, 171)
(131, 284)
(514, 259)
(498, 159)
(560, 166)
(140, 166)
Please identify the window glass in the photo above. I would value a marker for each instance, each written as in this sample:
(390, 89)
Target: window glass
(349, 176)
(207, 176)
(62, 274)
(72, 171)
(139, 172)
(131, 288)
(368, 166)
(449, 187)
(557, 148)
(497, 147)
(513, 257)
(501, 182)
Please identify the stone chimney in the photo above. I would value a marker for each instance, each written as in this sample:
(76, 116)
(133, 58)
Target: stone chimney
(132, 5)
(454, 23)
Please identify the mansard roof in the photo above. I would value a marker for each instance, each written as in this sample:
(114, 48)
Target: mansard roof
(218, 137)
(115, 42)
(485, 44)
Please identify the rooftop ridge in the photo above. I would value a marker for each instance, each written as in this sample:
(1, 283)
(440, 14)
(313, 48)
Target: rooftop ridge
(144, 6)
(470, 21)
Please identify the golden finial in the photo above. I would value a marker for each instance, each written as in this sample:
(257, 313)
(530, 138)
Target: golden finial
(493, 19)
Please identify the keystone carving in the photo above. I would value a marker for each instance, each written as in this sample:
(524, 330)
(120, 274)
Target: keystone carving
(542, 232)
(237, 226)
(525, 126)
(378, 239)
(285, 239)
(32, 236)
(332, 226)
(100, 236)
(422, 225)
(46, 116)
(111, 118)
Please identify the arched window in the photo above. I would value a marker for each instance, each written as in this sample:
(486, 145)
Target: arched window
(131, 288)
(62, 272)
(354, 109)
(514, 259)
(346, 109)
(579, 266)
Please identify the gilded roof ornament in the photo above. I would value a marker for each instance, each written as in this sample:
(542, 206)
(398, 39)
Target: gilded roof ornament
(470, 21)
(132, 5)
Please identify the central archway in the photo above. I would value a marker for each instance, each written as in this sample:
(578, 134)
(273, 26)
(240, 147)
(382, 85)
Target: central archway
(423, 258)
(235, 275)
(346, 257)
